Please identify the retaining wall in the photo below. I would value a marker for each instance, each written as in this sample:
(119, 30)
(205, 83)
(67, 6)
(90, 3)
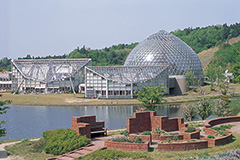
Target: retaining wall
(125, 146)
(219, 141)
(145, 138)
(182, 146)
(216, 121)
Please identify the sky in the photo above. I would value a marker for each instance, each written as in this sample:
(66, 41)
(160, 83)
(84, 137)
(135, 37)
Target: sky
(56, 27)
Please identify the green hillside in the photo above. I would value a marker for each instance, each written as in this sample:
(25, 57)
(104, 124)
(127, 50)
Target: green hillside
(115, 55)
(226, 58)
(207, 37)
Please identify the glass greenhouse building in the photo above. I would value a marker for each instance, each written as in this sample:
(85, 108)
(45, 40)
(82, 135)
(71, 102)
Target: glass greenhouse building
(163, 48)
(48, 75)
(122, 81)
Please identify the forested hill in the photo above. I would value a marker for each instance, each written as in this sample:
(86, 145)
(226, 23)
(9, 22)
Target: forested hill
(200, 39)
(115, 55)
(226, 58)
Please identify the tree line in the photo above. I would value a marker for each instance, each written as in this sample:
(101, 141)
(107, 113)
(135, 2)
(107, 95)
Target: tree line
(202, 38)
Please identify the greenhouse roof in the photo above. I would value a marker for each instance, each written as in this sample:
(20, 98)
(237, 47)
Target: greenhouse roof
(48, 70)
(128, 74)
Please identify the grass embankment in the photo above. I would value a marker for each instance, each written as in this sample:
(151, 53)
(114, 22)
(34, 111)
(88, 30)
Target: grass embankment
(34, 150)
(62, 100)
(28, 150)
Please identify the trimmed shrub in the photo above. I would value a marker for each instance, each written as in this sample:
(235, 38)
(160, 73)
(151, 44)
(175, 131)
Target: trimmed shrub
(61, 141)
(190, 129)
(210, 136)
(146, 133)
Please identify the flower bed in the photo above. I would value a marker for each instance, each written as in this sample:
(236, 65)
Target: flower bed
(191, 135)
(182, 145)
(219, 141)
(145, 138)
(163, 137)
(125, 146)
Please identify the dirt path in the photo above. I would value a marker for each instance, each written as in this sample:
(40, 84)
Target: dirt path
(4, 155)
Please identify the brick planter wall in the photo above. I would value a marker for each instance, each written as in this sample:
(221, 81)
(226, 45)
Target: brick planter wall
(125, 146)
(145, 138)
(209, 131)
(216, 121)
(163, 137)
(219, 141)
(182, 146)
(191, 135)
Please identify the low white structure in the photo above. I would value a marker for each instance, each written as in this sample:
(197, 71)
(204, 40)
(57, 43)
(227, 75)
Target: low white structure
(48, 75)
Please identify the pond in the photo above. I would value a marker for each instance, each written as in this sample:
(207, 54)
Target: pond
(31, 121)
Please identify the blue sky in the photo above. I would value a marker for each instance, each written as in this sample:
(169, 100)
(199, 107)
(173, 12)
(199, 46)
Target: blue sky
(56, 27)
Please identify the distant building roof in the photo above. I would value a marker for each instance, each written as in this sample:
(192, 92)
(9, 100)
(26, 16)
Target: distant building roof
(48, 70)
(128, 74)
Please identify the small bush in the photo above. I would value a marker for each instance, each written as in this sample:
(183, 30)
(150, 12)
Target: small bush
(175, 138)
(158, 131)
(222, 133)
(210, 136)
(222, 127)
(125, 133)
(169, 140)
(190, 129)
(61, 141)
(146, 133)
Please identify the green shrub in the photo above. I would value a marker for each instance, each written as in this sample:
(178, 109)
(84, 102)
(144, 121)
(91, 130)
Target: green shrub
(173, 133)
(61, 141)
(139, 140)
(210, 136)
(191, 140)
(222, 127)
(158, 131)
(125, 133)
(146, 133)
(190, 129)
(169, 140)
(114, 154)
(222, 133)
(175, 138)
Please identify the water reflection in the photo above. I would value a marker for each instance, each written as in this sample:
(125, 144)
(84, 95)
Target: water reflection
(31, 121)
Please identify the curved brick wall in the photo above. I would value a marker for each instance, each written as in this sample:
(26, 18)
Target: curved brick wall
(219, 141)
(191, 135)
(125, 146)
(182, 146)
(216, 121)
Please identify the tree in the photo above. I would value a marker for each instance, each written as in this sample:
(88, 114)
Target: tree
(150, 96)
(2, 111)
(189, 111)
(222, 108)
(204, 109)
